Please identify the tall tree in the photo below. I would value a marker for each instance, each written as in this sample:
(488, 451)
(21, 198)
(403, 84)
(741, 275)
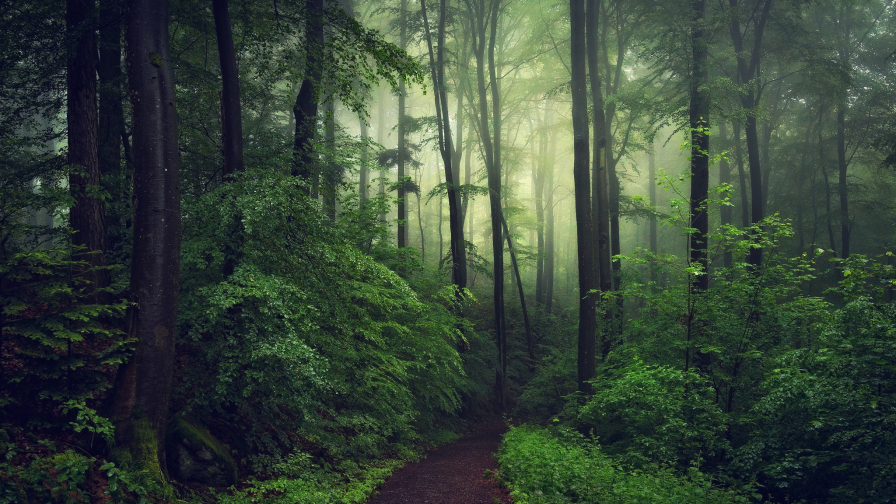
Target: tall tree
(86, 215)
(582, 185)
(455, 217)
(402, 133)
(484, 16)
(600, 187)
(699, 124)
(748, 72)
(231, 119)
(143, 384)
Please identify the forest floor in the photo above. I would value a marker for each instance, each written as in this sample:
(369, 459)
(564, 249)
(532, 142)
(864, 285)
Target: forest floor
(458, 473)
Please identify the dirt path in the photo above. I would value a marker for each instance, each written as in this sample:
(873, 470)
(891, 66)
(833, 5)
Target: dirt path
(452, 474)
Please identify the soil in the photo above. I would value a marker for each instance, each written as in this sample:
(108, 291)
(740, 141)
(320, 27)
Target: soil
(452, 474)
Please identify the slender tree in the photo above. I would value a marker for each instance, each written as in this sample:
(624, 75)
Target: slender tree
(582, 184)
(231, 120)
(699, 124)
(402, 132)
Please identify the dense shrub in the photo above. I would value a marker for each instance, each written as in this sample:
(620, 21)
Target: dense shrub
(545, 467)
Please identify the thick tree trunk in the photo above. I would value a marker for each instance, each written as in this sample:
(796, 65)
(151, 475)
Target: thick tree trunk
(699, 123)
(143, 384)
(305, 108)
(86, 215)
(582, 184)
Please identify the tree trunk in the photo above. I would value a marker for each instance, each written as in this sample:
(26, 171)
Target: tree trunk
(231, 112)
(600, 187)
(143, 384)
(305, 108)
(747, 71)
(539, 214)
(549, 230)
(112, 133)
(725, 178)
(492, 154)
(651, 176)
(402, 142)
(699, 123)
(530, 341)
(582, 185)
(86, 215)
(845, 228)
(364, 176)
(231, 123)
(742, 177)
(455, 218)
(331, 171)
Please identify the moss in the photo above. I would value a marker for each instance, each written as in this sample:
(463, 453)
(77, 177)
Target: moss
(195, 454)
(141, 452)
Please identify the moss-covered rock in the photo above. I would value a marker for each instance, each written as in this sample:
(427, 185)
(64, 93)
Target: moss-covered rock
(193, 454)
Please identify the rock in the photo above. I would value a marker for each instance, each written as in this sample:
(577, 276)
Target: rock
(193, 454)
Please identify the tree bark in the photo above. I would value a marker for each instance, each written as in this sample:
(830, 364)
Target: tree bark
(86, 215)
(582, 185)
(143, 384)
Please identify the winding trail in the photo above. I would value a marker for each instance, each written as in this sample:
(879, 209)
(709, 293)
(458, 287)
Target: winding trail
(451, 474)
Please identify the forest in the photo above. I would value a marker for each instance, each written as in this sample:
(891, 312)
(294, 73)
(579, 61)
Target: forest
(271, 251)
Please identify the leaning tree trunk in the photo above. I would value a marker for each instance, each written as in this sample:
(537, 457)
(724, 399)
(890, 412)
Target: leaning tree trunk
(86, 215)
(582, 185)
(143, 384)
(530, 341)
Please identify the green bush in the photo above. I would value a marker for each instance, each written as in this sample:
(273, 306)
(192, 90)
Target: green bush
(647, 414)
(544, 467)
